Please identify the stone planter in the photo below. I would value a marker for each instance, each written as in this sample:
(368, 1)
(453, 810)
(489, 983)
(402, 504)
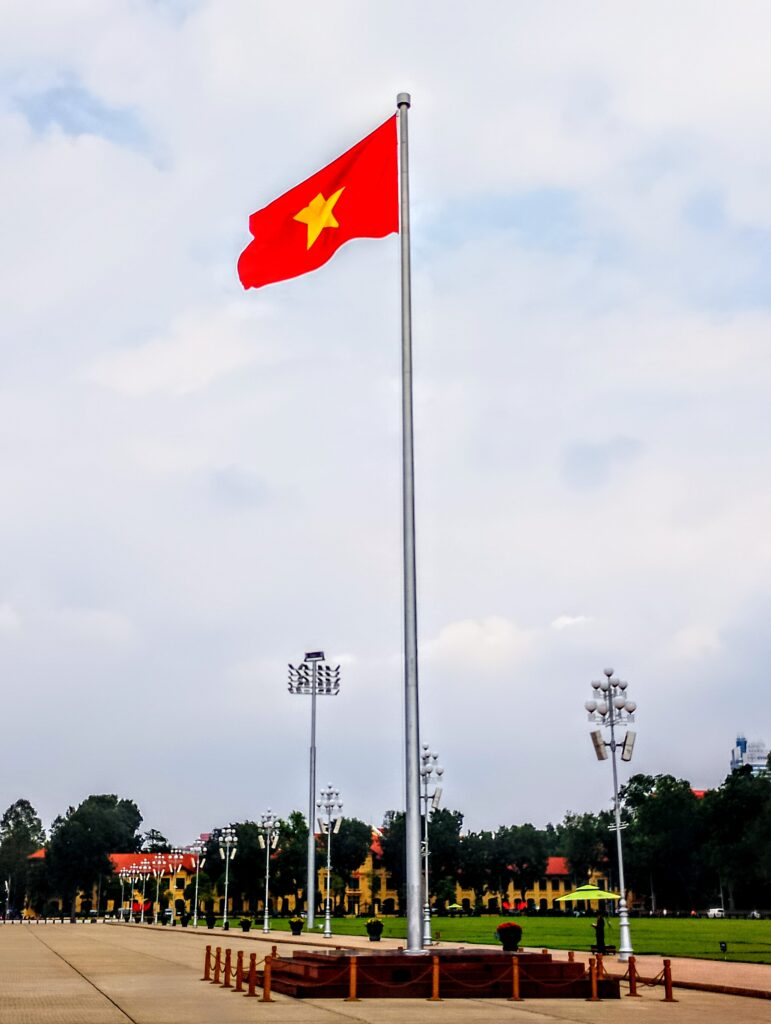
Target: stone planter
(296, 927)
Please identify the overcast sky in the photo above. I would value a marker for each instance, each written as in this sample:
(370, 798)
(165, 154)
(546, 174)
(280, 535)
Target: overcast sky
(200, 483)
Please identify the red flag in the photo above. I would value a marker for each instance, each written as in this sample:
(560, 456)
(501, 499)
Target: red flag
(353, 197)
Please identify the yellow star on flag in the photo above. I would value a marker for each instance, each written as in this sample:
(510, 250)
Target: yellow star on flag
(318, 215)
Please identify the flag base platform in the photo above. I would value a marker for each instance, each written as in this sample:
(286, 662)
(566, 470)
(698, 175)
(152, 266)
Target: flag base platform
(462, 973)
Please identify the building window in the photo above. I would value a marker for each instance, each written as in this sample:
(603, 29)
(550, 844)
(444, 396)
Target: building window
(179, 883)
(555, 885)
(354, 885)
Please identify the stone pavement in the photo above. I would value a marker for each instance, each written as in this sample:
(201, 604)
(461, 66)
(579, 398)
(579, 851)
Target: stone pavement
(114, 974)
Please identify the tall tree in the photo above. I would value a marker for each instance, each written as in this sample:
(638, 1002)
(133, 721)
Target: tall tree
(521, 856)
(291, 864)
(154, 841)
(394, 846)
(21, 833)
(582, 842)
(82, 839)
(444, 830)
(737, 819)
(477, 864)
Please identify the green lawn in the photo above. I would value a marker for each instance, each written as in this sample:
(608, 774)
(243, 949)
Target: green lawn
(748, 941)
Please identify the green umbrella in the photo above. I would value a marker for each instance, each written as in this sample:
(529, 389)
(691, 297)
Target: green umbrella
(587, 892)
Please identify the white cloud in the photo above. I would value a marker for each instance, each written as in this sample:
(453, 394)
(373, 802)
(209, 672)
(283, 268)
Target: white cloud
(200, 348)
(695, 643)
(488, 643)
(568, 621)
(10, 620)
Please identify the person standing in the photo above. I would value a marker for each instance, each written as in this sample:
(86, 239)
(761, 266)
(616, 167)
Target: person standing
(599, 927)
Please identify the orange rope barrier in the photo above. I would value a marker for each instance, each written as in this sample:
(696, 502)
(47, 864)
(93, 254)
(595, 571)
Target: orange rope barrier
(352, 970)
(252, 989)
(266, 975)
(515, 997)
(435, 969)
(632, 972)
(594, 997)
(207, 965)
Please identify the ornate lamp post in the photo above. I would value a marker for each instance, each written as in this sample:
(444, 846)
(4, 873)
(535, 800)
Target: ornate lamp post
(199, 861)
(144, 870)
(175, 860)
(317, 679)
(157, 868)
(268, 841)
(330, 801)
(228, 843)
(132, 877)
(611, 709)
(430, 775)
(124, 875)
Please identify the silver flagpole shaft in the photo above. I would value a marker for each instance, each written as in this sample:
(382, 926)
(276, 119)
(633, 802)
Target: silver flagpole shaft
(411, 713)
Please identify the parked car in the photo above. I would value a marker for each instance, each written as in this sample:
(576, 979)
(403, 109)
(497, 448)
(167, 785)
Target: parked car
(716, 912)
(754, 915)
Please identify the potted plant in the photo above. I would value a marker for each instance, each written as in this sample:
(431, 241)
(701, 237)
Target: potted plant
(246, 923)
(296, 924)
(184, 919)
(374, 928)
(508, 934)
(210, 919)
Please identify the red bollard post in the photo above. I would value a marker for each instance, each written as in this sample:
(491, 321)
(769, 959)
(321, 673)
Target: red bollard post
(515, 997)
(227, 968)
(353, 970)
(571, 956)
(217, 966)
(239, 972)
(252, 975)
(668, 997)
(434, 997)
(274, 952)
(266, 980)
(600, 966)
(207, 965)
(594, 997)
(633, 978)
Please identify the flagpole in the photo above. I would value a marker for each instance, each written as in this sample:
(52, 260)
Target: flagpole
(411, 712)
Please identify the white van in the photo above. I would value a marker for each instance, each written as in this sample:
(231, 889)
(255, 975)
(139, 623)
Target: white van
(716, 912)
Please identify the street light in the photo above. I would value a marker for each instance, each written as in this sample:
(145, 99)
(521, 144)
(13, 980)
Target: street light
(125, 876)
(199, 861)
(158, 867)
(330, 801)
(611, 708)
(229, 840)
(175, 861)
(268, 842)
(430, 775)
(144, 869)
(317, 679)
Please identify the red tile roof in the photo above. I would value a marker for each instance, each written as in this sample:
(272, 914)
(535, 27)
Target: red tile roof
(122, 861)
(557, 866)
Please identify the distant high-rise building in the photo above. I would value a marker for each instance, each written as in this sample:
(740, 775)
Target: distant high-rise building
(754, 754)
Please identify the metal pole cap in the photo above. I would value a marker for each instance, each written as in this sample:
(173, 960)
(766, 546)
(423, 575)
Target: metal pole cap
(403, 100)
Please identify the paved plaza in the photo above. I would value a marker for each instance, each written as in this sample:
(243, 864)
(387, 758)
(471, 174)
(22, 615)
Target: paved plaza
(113, 974)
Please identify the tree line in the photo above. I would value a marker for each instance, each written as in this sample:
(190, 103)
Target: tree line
(682, 850)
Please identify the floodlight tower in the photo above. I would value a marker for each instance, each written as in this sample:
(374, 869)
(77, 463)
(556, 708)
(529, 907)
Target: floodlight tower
(611, 708)
(317, 679)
